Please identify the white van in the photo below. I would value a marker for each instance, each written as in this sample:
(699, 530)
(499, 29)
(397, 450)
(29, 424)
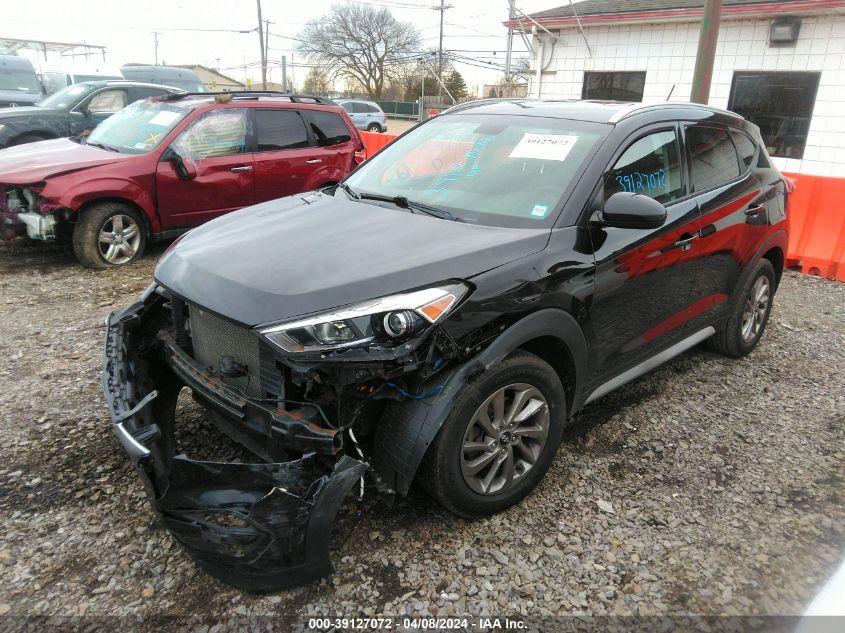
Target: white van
(56, 78)
(183, 78)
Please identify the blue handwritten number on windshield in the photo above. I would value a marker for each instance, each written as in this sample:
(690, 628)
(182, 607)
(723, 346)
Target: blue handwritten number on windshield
(637, 181)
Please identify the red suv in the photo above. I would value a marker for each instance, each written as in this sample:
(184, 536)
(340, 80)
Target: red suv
(162, 166)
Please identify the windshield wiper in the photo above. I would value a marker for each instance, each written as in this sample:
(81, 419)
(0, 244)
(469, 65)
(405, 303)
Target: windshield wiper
(108, 148)
(437, 212)
(349, 190)
(404, 203)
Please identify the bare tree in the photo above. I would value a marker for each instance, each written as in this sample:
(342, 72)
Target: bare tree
(317, 82)
(360, 42)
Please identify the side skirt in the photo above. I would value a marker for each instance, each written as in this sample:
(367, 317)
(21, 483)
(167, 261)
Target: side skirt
(651, 363)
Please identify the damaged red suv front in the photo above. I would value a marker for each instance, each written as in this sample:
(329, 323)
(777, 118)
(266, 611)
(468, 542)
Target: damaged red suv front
(24, 211)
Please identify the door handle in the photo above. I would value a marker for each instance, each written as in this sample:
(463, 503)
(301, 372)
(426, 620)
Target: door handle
(685, 243)
(242, 168)
(752, 211)
(313, 161)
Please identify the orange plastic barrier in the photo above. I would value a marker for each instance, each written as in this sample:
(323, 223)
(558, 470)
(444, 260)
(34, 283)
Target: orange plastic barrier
(374, 141)
(817, 226)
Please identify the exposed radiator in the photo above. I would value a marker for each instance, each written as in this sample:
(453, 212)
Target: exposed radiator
(215, 338)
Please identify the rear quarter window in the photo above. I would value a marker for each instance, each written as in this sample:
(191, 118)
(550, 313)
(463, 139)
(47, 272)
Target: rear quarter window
(745, 147)
(328, 128)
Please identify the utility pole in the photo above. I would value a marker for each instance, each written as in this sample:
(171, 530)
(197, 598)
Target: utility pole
(511, 17)
(155, 35)
(261, 47)
(285, 73)
(442, 8)
(703, 75)
(267, 24)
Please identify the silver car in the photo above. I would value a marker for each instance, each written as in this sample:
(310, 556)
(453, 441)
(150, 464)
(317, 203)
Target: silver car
(366, 115)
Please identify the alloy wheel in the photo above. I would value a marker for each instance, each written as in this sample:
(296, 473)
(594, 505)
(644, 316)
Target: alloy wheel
(756, 306)
(119, 239)
(504, 439)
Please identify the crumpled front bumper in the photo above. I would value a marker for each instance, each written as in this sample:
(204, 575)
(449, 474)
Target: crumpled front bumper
(260, 527)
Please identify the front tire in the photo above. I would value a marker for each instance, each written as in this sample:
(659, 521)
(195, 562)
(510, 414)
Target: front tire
(749, 314)
(499, 440)
(109, 234)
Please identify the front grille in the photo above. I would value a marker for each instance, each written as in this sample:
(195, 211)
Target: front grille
(214, 338)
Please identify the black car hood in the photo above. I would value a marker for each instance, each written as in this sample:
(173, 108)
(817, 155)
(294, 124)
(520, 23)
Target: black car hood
(26, 111)
(19, 96)
(305, 254)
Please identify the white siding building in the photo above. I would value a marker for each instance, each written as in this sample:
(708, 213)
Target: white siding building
(790, 79)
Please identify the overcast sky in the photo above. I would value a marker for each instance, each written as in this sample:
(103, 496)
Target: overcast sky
(473, 29)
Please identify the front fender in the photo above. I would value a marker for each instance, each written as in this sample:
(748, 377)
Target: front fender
(323, 175)
(402, 441)
(74, 191)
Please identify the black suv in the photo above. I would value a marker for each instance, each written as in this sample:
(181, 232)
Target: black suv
(439, 316)
(73, 110)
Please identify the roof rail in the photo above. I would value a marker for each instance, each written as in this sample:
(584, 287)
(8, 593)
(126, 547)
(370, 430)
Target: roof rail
(632, 108)
(254, 94)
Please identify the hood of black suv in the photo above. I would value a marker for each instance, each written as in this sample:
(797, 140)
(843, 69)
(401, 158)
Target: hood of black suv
(305, 254)
(31, 111)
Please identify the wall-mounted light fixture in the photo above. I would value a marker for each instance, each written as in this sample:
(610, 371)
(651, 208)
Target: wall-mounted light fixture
(784, 31)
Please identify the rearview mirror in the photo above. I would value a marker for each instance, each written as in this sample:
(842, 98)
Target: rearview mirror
(627, 210)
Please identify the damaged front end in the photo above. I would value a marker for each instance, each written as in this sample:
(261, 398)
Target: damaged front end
(25, 212)
(305, 416)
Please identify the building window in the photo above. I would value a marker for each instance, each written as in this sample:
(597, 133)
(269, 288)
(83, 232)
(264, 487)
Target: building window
(780, 104)
(625, 86)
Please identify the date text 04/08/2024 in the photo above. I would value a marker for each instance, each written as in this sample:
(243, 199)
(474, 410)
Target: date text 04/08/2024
(421, 623)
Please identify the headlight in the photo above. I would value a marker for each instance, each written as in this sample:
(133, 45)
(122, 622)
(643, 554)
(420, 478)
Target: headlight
(388, 320)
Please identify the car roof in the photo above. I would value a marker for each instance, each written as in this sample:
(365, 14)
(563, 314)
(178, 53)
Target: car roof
(14, 61)
(596, 111)
(100, 83)
(256, 98)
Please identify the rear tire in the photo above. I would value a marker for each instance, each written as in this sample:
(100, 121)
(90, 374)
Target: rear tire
(525, 447)
(373, 127)
(749, 313)
(109, 234)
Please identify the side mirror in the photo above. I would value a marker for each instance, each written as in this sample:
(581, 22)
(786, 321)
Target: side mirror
(184, 166)
(627, 210)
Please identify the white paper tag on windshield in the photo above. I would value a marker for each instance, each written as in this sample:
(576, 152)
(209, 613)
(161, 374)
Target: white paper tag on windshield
(165, 117)
(544, 146)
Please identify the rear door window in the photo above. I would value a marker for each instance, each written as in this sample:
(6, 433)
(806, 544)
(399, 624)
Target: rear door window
(280, 129)
(328, 128)
(712, 157)
(650, 166)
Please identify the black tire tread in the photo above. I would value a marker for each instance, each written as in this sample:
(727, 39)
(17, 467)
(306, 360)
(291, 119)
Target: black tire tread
(431, 476)
(728, 339)
(88, 226)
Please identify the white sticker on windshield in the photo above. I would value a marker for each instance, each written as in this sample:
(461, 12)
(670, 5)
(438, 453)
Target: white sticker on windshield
(544, 146)
(163, 118)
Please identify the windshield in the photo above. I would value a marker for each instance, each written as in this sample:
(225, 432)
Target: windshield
(66, 97)
(138, 128)
(497, 170)
(22, 80)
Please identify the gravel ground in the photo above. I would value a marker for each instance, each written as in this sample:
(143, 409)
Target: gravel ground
(711, 486)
